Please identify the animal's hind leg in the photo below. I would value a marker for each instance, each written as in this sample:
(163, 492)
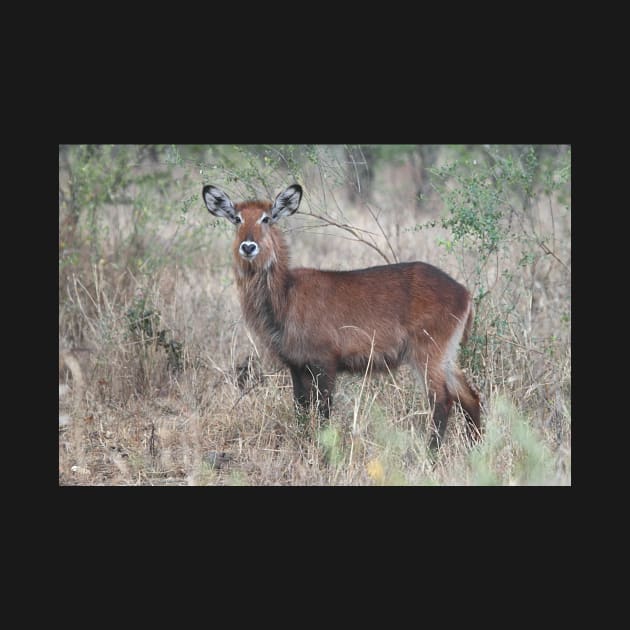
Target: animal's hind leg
(471, 405)
(442, 403)
(433, 380)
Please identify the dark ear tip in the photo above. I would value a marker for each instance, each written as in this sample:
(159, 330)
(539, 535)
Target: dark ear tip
(297, 189)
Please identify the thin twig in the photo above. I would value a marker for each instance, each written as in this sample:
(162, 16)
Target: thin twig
(548, 251)
(518, 345)
(357, 403)
(352, 231)
(380, 227)
(313, 226)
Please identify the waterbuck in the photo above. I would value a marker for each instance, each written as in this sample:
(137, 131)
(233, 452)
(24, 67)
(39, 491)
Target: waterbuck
(319, 323)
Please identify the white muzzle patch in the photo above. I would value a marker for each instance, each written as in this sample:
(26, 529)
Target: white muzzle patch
(249, 250)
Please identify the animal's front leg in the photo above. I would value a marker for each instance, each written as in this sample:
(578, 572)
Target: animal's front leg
(301, 386)
(323, 384)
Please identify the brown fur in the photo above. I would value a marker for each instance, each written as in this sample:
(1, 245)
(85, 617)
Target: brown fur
(322, 322)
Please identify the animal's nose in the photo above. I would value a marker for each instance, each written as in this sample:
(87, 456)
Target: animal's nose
(248, 248)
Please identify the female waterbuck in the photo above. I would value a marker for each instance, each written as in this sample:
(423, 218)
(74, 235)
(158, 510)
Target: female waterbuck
(320, 323)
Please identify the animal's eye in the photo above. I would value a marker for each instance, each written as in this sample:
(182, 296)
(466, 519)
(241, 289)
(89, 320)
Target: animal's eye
(265, 219)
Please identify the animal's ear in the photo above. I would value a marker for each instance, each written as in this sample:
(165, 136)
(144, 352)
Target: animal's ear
(286, 202)
(219, 204)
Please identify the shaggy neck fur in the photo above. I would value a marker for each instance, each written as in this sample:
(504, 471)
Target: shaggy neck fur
(263, 286)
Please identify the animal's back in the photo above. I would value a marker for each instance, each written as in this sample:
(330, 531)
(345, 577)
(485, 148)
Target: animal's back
(378, 311)
(395, 293)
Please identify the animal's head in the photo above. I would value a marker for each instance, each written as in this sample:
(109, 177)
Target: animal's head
(254, 243)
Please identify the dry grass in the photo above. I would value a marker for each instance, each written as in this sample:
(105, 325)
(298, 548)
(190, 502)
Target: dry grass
(221, 413)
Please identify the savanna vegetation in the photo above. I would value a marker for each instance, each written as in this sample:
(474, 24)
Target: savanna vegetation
(161, 383)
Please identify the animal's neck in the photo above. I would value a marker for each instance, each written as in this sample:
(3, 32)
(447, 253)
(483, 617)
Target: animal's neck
(263, 291)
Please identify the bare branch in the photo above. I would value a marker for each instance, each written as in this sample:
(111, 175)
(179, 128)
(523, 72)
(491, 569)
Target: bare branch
(352, 230)
(380, 227)
(548, 251)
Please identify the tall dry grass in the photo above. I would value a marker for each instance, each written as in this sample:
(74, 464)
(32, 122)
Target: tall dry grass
(171, 389)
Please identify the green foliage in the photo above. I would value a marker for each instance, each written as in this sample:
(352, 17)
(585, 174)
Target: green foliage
(511, 453)
(144, 327)
(490, 195)
(331, 442)
(116, 203)
(476, 196)
(394, 448)
(381, 153)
